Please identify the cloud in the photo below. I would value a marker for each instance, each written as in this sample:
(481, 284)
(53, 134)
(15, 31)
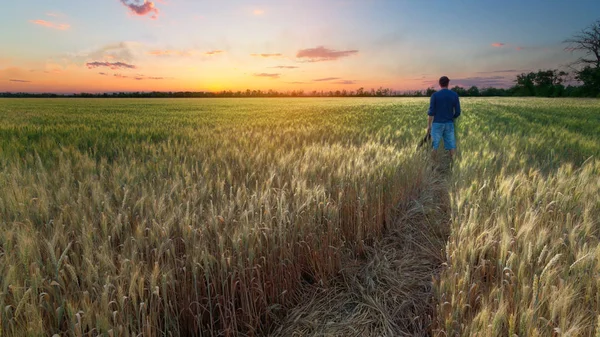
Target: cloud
(345, 82)
(214, 52)
(326, 79)
(519, 48)
(273, 76)
(296, 82)
(126, 51)
(53, 71)
(141, 7)
(19, 81)
(321, 53)
(285, 67)
(142, 77)
(498, 44)
(48, 24)
(138, 77)
(258, 12)
(266, 55)
(111, 65)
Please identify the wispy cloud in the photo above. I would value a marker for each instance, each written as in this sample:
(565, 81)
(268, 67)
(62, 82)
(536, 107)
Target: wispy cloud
(141, 78)
(345, 82)
(266, 55)
(125, 51)
(498, 44)
(48, 24)
(138, 77)
(111, 65)
(321, 53)
(519, 48)
(141, 7)
(273, 76)
(326, 79)
(214, 52)
(258, 12)
(285, 67)
(19, 81)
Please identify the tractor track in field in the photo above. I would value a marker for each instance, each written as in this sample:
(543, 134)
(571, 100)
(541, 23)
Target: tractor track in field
(389, 290)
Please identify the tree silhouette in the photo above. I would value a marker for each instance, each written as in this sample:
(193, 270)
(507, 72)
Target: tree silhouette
(588, 42)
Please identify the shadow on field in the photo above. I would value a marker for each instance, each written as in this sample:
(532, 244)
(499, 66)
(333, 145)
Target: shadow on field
(388, 291)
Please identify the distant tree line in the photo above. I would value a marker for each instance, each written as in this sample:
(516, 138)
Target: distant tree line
(361, 92)
(543, 83)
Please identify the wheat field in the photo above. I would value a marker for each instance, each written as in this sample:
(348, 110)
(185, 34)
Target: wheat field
(211, 217)
(523, 257)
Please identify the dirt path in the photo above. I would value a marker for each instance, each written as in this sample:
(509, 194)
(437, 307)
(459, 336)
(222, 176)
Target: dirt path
(388, 292)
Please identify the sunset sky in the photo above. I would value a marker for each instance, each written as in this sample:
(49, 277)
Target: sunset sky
(67, 46)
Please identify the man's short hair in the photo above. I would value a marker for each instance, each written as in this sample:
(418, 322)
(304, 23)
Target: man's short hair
(444, 81)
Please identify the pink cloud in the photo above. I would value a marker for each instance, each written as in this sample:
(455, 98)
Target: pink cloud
(519, 48)
(266, 55)
(138, 77)
(323, 54)
(344, 82)
(285, 67)
(498, 44)
(48, 24)
(111, 65)
(141, 7)
(326, 79)
(258, 12)
(19, 81)
(214, 52)
(273, 76)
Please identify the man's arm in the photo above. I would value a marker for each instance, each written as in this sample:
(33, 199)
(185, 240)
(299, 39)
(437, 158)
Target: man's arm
(457, 107)
(429, 122)
(430, 113)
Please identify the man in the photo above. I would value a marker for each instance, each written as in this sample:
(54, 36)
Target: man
(444, 107)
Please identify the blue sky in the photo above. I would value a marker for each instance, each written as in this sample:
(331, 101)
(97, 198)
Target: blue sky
(109, 45)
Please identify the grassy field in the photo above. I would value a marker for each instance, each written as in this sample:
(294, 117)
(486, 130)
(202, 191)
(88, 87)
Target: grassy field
(122, 217)
(523, 257)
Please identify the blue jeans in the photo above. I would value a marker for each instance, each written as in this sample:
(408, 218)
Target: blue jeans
(445, 131)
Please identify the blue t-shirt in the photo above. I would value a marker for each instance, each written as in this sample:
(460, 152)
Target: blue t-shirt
(444, 106)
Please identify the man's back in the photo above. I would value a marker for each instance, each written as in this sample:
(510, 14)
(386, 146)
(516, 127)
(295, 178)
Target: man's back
(444, 106)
